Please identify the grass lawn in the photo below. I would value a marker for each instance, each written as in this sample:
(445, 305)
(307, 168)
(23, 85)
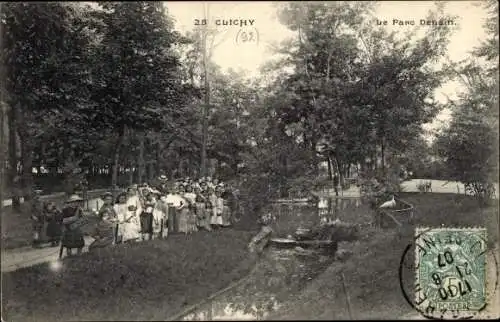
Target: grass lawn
(146, 281)
(371, 274)
(16, 227)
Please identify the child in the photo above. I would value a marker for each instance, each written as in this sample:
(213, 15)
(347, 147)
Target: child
(147, 217)
(160, 217)
(104, 233)
(54, 219)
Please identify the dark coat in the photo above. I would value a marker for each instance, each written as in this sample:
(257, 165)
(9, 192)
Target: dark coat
(54, 220)
(72, 236)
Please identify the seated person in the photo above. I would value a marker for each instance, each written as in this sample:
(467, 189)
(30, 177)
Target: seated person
(104, 233)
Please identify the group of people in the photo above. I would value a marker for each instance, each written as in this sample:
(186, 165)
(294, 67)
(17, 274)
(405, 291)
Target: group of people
(143, 212)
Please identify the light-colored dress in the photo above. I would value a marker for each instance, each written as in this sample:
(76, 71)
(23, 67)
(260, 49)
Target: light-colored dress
(129, 223)
(217, 209)
(192, 220)
(160, 217)
(182, 212)
(226, 213)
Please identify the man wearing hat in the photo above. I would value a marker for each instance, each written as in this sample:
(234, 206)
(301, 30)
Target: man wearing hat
(72, 214)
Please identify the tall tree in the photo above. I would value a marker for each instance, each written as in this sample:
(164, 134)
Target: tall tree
(137, 73)
(45, 56)
(469, 146)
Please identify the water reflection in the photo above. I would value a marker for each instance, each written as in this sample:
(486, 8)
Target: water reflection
(281, 272)
(346, 209)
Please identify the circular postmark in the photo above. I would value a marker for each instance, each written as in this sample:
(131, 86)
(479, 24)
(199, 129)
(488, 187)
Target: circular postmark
(450, 274)
(247, 36)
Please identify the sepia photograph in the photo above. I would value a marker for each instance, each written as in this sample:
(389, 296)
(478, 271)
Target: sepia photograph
(249, 160)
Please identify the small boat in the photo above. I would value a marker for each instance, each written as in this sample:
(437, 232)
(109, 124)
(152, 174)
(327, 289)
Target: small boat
(294, 201)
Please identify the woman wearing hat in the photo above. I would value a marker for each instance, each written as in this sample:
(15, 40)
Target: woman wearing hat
(72, 237)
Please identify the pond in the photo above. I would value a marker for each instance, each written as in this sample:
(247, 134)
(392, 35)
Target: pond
(281, 273)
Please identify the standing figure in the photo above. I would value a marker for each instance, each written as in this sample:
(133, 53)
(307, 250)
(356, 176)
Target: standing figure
(201, 213)
(160, 217)
(216, 218)
(182, 211)
(222, 207)
(72, 214)
(54, 219)
(190, 197)
(132, 217)
(336, 184)
(147, 217)
(37, 219)
(127, 230)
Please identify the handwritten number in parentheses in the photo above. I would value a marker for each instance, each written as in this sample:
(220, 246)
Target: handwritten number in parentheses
(247, 36)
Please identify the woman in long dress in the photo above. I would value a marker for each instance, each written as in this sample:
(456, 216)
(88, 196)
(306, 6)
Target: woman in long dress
(72, 214)
(147, 217)
(128, 219)
(190, 197)
(216, 218)
(202, 215)
(179, 206)
(224, 204)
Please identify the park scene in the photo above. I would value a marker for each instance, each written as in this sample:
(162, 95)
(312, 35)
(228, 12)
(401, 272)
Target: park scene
(242, 160)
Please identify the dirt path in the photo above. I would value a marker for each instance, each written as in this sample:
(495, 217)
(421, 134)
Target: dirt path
(13, 259)
(24, 257)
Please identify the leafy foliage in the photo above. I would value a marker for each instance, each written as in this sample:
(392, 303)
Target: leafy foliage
(469, 146)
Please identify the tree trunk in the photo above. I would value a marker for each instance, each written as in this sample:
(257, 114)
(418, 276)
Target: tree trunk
(158, 158)
(27, 162)
(206, 105)
(330, 172)
(382, 155)
(140, 161)
(131, 174)
(3, 150)
(13, 161)
(116, 156)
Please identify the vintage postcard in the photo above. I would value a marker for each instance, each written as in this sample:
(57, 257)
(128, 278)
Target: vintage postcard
(249, 160)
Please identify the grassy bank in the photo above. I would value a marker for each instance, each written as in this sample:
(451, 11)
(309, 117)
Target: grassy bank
(147, 281)
(371, 274)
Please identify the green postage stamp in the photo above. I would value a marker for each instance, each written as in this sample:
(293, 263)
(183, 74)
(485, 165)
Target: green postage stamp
(450, 271)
